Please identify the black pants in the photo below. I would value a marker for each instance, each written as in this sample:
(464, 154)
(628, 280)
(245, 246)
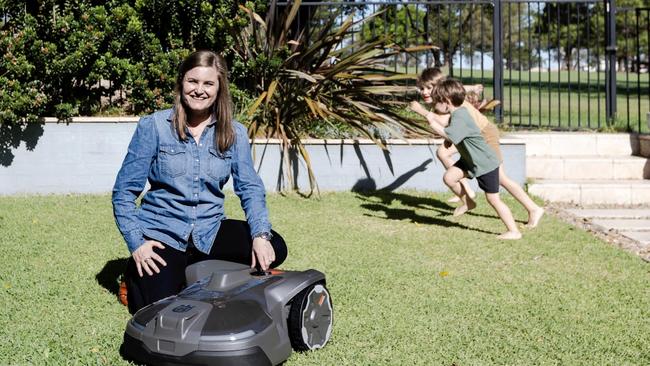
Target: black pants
(233, 243)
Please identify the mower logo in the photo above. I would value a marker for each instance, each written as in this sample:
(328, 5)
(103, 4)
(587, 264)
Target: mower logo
(182, 308)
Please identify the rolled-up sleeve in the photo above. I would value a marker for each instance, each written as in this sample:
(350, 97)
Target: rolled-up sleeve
(131, 180)
(248, 185)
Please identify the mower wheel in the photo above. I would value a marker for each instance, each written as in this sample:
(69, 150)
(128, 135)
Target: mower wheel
(310, 318)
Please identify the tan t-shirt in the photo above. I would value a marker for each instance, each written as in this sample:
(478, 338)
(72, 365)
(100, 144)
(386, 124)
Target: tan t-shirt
(488, 129)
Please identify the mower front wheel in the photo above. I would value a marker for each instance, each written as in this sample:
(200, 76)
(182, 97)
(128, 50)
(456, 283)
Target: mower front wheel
(310, 318)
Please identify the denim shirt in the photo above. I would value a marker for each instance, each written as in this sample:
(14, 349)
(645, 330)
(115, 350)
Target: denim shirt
(187, 178)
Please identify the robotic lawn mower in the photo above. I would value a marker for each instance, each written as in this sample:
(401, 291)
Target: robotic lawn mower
(231, 315)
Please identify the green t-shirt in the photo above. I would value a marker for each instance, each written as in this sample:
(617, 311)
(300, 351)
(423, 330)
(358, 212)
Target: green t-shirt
(476, 154)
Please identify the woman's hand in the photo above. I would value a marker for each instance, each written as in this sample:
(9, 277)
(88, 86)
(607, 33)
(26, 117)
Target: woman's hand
(146, 258)
(263, 253)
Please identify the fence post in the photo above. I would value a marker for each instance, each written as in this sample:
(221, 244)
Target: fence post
(497, 47)
(610, 61)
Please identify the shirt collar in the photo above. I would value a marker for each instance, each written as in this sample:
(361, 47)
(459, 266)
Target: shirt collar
(173, 111)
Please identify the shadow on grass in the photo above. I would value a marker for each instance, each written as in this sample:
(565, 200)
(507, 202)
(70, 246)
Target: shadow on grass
(109, 275)
(126, 357)
(407, 214)
(366, 190)
(387, 198)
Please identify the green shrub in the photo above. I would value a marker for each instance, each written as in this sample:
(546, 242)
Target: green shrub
(314, 82)
(81, 57)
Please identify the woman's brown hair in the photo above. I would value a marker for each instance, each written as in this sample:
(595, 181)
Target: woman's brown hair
(222, 107)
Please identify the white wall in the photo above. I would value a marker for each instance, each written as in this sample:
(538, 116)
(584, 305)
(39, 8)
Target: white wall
(84, 157)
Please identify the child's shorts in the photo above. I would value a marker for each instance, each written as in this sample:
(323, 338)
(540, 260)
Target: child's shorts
(488, 182)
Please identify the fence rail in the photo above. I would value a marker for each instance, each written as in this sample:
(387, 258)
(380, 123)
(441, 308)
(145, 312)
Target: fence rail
(554, 64)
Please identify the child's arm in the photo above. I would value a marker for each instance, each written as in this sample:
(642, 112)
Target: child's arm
(431, 116)
(418, 108)
(433, 119)
(436, 126)
(476, 88)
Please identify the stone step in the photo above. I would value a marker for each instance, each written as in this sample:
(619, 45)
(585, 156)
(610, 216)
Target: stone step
(593, 192)
(642, 237)
(633, 223)
(624, 224)
(580, 167)
(578, 143)
(611, 213)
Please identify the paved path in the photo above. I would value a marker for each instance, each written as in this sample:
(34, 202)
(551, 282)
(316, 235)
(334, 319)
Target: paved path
(631, 223)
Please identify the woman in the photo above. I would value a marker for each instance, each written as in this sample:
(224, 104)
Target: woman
(187, 155)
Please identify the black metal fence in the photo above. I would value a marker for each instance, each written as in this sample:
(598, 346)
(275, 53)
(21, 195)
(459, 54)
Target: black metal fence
(553, 64)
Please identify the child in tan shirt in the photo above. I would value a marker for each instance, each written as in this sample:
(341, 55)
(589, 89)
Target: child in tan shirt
(427, 81)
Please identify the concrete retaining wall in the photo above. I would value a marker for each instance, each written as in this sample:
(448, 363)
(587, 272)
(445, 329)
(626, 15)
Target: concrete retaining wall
(85, 155)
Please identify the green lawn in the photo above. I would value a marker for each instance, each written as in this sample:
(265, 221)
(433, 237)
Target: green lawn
(410, 284)
(571, 100)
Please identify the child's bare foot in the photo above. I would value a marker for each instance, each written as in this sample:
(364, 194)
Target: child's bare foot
(533, 218)
(510, 235)
(470, 205)
(454, 199)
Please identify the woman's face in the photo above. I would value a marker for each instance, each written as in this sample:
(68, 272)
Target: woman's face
(200, 87)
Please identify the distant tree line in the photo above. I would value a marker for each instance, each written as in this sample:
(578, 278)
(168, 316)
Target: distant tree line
(66, 58)
(529, 30)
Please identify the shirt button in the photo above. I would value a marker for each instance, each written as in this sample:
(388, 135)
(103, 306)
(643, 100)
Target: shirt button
(195, 194)
(197, 160)
(192, 224)
(196, 178)
(200, 144)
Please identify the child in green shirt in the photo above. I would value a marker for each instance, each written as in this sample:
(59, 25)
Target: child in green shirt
(477, 158)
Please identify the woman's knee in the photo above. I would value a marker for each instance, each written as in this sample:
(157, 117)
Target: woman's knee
(280, 249)
(146, 289)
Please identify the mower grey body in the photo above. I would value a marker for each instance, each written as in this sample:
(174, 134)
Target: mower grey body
(225, 316)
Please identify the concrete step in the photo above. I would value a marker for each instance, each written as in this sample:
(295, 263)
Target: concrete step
(578, 143)
(593, 192)
(624, 224)
(642, 237)
(611, 213)
(581, 167)
(633, 223)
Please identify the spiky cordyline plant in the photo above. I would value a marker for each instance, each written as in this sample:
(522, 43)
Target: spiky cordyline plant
(344, 83)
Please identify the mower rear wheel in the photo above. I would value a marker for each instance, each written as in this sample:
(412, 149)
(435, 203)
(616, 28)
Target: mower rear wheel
(310, 318)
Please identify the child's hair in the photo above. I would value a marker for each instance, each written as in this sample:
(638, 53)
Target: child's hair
(431, 75)
(473, 98)
(449, 89)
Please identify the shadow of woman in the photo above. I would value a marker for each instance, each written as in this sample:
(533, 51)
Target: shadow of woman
(109, 276)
